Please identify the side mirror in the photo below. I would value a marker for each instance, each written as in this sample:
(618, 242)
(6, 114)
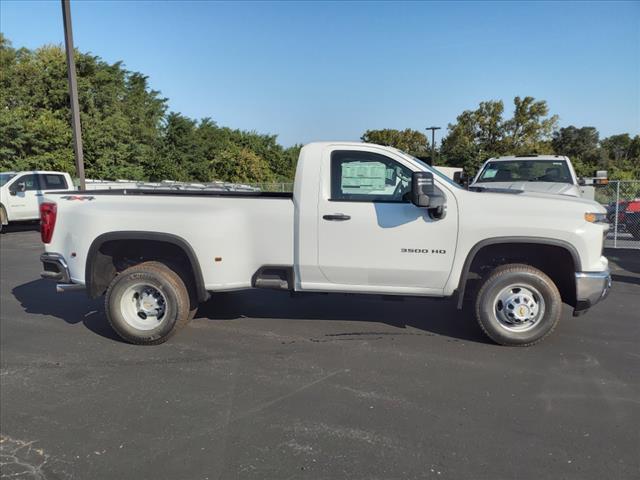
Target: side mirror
(19, 187)
(425, 195)
(422, 188)
(461, 178)
(582, 182)
(602, 178)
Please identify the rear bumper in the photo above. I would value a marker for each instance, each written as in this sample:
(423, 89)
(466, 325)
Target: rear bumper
(55, 268)
(591, 288)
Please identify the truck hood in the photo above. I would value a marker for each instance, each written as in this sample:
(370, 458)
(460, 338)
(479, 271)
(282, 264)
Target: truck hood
(542, 187)
(513, 195)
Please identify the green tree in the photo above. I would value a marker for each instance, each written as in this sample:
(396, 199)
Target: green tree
(483, 133)
(529, 131)
(239, 164)
(621, 155)
(581, 145)
(477, 135)
(410, 141)
(120, 115)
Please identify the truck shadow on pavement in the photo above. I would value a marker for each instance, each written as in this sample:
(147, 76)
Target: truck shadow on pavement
(39, 297)
(431, 316)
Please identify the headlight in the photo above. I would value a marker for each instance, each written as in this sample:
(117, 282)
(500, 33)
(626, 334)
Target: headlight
(592, 217)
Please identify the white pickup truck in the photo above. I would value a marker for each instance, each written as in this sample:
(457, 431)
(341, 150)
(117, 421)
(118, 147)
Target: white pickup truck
(362, 219)
(21, 193)
(532, 173)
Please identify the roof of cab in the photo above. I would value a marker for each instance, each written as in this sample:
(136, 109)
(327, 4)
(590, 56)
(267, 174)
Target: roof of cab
(528, 157)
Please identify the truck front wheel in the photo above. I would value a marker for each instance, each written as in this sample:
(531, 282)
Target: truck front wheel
(518, 305)
(147, 303)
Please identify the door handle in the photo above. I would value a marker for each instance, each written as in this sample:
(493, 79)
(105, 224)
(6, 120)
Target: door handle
(339, 217)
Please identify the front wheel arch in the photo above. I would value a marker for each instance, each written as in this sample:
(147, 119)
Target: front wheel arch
(534, 251)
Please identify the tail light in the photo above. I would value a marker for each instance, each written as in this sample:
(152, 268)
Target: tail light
(48, 214)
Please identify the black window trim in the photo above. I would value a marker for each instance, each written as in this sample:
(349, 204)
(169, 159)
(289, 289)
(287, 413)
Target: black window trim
(360, 200)
(352, 200)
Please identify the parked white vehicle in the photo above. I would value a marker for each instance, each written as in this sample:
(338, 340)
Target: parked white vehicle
(362, 219)
(532, 173)
(449, 171)
(22, 192)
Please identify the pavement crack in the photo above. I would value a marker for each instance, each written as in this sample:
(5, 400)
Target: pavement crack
(21, 459)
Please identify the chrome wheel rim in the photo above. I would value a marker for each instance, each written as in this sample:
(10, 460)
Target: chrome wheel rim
(519, 308)
(143, 306)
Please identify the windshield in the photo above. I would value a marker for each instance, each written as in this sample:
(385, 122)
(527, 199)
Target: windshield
(434, 171)
(5, 177)
(526, 171)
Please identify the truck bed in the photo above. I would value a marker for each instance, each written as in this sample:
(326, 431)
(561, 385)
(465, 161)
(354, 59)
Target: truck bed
(233, 234)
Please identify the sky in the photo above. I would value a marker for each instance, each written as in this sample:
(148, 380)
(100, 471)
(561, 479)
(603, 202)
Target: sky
(331, 70)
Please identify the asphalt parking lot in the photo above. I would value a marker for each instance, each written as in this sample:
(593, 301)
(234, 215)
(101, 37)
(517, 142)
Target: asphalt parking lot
(261, 385)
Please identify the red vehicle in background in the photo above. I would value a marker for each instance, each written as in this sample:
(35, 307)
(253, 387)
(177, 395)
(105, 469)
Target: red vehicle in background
(628, 216)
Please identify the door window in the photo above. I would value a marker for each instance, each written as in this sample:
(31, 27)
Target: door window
(358, 176)
(51, 181)
(30, 181)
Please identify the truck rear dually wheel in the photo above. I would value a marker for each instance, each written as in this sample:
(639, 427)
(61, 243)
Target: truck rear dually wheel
(518, 305)
(147, 303)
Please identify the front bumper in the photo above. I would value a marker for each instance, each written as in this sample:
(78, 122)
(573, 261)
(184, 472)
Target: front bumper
(591, 287)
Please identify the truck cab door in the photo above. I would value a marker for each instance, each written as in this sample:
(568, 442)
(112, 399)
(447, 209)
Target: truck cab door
(370, 237)
(24, 198)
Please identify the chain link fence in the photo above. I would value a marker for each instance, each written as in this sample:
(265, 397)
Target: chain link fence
(621, 198)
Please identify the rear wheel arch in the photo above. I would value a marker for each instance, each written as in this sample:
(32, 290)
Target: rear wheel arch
(109, 248)
(516, 250)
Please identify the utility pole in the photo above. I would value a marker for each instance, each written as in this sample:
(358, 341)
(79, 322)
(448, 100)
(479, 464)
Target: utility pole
(433, 143)
(73, 93)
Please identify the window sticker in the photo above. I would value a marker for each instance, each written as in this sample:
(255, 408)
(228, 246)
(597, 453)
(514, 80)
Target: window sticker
(490, 173)
(363, 177)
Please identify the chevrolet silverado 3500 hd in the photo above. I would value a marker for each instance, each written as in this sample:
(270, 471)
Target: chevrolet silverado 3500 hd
(362, 219)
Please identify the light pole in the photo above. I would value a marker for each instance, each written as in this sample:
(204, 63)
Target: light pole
(433, 142)
(73, 93)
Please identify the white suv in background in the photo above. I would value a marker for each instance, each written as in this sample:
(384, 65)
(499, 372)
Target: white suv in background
(22, 192)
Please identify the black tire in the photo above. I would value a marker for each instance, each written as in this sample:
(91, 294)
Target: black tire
(3, 218)
(634, 230)
(158, 278)
(489, 310)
